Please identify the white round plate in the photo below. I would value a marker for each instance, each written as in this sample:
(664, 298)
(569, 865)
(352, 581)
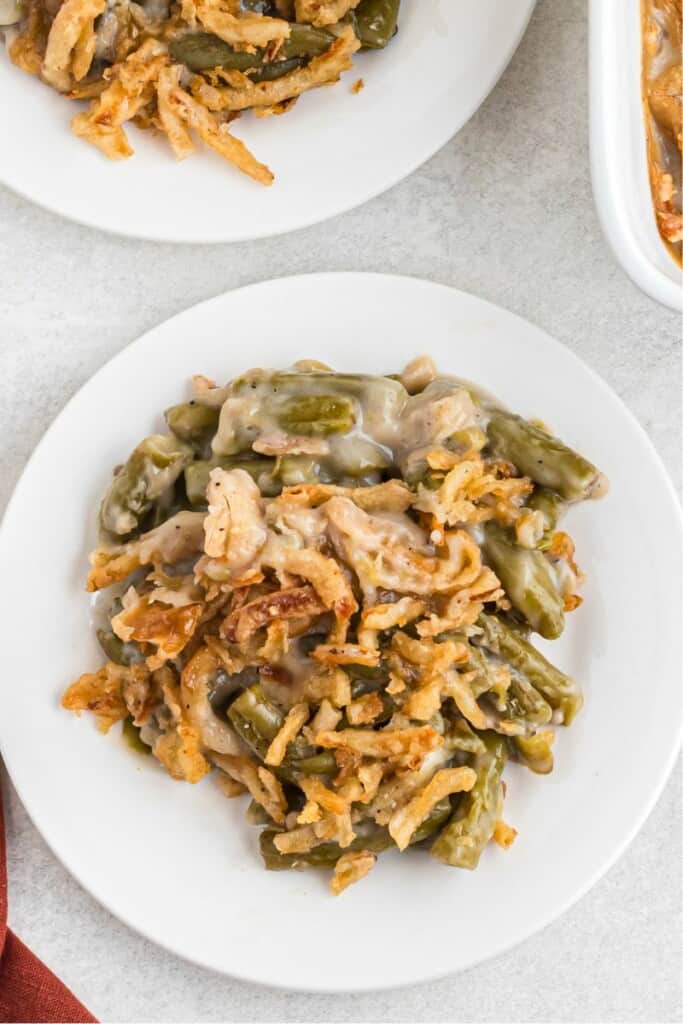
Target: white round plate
(333, 151)
(179, 863)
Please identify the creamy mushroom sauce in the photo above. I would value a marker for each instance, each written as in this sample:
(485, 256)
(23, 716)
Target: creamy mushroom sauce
(386, 425)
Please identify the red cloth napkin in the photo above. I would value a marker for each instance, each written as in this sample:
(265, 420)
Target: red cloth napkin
(29, 991)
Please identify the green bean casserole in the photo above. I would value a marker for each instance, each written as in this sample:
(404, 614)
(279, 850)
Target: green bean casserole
(323, 587)
(189, 68)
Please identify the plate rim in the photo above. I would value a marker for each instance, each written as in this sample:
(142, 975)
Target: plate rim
(167, 237)
(542, 921)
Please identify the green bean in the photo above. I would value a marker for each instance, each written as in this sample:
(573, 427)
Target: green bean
(535, 751)
(202, 51)
(306, 41)
(551, 507)
(523, 708)
(131, 734)
(357, 457)
(290, 470)
(527, 579)
(560, 691)
(259, 468)
(544, 458)
(468, 439)
(376, 22)
(364, 684)
(471, 826)
(316, 415)
(192, 422)
(257, 721)
(258, 815)
(484, 680)
(460, 736)
(118, 651)
(369, 836)
(317, 764)
(150, 471)
(273, 69)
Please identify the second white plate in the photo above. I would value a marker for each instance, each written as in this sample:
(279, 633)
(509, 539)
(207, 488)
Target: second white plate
(179, 863)
(333, 151)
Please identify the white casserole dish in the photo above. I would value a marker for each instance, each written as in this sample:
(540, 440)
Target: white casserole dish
(619, 172)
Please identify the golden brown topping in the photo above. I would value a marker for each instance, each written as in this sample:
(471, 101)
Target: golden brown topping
(364, 709)
(296, 718)
(70, 43)
(242, 623)
(249, 30)
(168, 628)
(344, 654)
(234, 528)
(457, 687)
(412, 743)
(331, 683)
(407, 819)
(180, 753)
(392, 496)
(504, 834)
(323, 573)
(263, 786)
(317, 793)
(350, 868)
(319, 71)
(323, 12)
(99, 692)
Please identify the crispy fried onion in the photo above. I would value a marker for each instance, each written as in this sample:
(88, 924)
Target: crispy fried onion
(504, 834)
(180, 537)
(391, 496)
(179, 748)
(178, 108)
(363, 787)
(323, 12)
(326, 718)
(168, 628)
(473, 491)
(407, 819)
(131, 88)
(387, 616)
(240, 625)
(387, 553)
(365, 709)
(464, 607)
(330, 828)
(263, 786)
(71, 43)
(100, 693)
(234, 528)
(330, 684)
(27, 50)
(344, 654)
(350, 868)
(319, 71)
(296, 718)
(434, 663)
(323, 573)
(408, 746)
(247, 30)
